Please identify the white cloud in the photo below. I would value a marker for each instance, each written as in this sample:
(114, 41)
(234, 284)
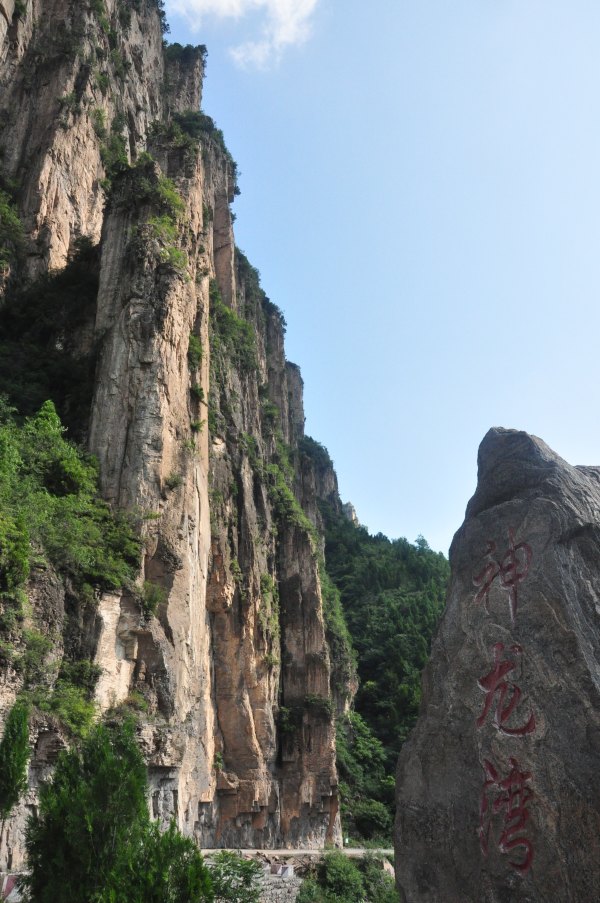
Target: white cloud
(284, 23)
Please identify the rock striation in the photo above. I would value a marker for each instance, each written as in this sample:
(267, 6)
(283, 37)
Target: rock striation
(197, 424)
(498, 790)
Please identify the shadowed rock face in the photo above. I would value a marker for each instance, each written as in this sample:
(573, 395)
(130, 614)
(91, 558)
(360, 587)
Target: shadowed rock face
(498, 788)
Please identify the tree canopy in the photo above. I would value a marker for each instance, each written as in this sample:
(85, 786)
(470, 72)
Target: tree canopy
(392, 594)
(92, 840)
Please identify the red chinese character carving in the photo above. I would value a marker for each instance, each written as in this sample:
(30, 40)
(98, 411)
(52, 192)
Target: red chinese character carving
(495, 685)
(512, 798)
(512, 568)
(487, 576)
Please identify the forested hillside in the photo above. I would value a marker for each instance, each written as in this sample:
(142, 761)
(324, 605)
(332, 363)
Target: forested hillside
(392, 593)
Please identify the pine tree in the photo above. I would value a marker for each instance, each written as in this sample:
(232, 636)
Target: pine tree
(93, 841)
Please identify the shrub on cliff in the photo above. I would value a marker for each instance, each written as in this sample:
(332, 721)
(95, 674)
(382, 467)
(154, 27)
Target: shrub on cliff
(185, 55)
(364, 784)
(50, 509)
(11, 232)
(231, 335)
(92, 840)
(51, 486)
(14, 756)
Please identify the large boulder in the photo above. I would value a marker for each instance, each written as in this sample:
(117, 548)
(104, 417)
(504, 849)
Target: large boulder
(498, 788)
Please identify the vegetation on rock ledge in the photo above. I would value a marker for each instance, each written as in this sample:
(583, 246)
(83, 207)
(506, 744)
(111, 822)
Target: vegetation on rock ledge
(49, 497)
(14, 756)
(50, 511)
(231, 335)
(11, 233)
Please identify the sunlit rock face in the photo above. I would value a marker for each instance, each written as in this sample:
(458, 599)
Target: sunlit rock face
(498, 788)
(229, 674)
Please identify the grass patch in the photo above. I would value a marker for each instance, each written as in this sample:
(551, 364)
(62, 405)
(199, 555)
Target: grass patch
(153, 595)
(195, 359)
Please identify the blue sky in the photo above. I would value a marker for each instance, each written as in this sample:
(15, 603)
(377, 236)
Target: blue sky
(421, 194)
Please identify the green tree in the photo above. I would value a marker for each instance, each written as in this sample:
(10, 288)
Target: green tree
(391, 594)
(338, 880)
(14, 756)
(92, 840)
(170, 869)
(235, 879)
(379, 887)
(342, 880)
(372, 819)
(310, 892)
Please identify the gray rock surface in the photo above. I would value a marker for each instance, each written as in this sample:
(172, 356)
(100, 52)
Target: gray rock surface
(279, 890)
(498, 788)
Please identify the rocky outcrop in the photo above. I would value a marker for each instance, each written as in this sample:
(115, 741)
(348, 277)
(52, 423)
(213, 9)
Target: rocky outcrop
(65, 89)
(498, 794)
(349, 512)
(271, 662)
(196, 422)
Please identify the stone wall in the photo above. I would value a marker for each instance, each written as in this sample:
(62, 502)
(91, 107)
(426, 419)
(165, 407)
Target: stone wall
(280, 890)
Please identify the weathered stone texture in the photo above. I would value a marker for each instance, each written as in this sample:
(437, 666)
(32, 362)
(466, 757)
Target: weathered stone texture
(498, 787)
(7, 8)
(54, 107)
(234, 670)
(279, 890)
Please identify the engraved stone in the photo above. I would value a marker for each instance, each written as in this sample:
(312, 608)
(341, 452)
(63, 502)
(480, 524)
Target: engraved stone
(498, 788)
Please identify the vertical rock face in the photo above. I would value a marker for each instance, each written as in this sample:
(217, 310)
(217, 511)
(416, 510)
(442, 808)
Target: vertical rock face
(66, 73)
(498, 789)
(196, 422)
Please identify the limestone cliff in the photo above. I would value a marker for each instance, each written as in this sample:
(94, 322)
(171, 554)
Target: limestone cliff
(196, 420)
(498, 796)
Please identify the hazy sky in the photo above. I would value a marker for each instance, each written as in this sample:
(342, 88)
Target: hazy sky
(421, 194)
